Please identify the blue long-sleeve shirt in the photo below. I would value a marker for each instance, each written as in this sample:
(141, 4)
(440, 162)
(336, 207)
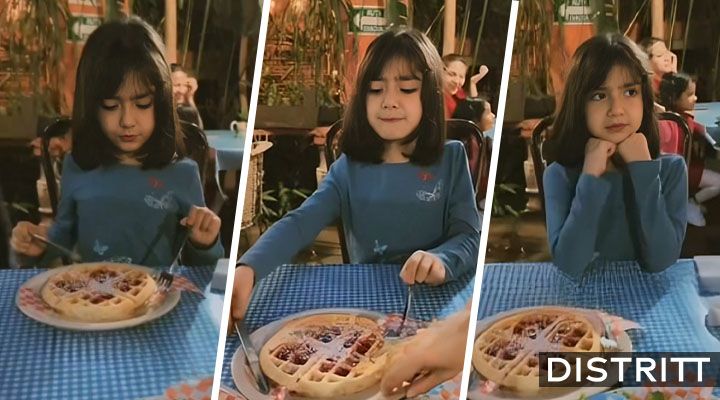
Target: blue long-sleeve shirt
(114, 213)
(587, 216)
(388, 212)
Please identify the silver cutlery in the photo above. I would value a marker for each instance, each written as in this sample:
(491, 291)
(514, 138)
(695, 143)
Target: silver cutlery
(75, 257)
(408, 304)
(251, 356)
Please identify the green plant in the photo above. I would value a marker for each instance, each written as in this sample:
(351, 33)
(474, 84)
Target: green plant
(305, 48)
(507, 199)
(275, 203)
(531, 50)
(34, 34)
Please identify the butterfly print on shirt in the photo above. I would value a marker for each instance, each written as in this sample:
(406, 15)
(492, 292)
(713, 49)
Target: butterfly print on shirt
(433, 196)
(100, 248)
(166, 202)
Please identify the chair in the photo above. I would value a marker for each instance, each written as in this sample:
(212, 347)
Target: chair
(254, 186)
(196, 147)
(5, 225)
(668, 121)
(332, 152)
(59, 127)
(478, 149)
(332, 143)
(539, 135)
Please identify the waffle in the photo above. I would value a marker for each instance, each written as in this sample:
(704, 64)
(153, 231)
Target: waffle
(99, 292)
(507, 352)
(325, 356)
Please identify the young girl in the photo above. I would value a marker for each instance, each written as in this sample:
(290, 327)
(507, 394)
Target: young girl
(677, 93)
(126, 194)
(661, 59)
(478, 110)
(403, 193)
(455, 69)
(608, 194)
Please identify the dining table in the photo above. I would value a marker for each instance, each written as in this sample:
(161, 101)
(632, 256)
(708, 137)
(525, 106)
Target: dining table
(669, 306)
(229, 146)
(292, 289)
(708, 114)
(39, 361)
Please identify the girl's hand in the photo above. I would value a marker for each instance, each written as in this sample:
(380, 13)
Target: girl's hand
(192, 86)
(423, 267)
(634, 148)
(597, 152)
(481, 74)
(23, 242)
(204, 226)
(431, 357)
(242, 289)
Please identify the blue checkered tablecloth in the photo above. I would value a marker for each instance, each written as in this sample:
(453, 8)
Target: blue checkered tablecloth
(294, 288)
(38, 361)
(667, 304)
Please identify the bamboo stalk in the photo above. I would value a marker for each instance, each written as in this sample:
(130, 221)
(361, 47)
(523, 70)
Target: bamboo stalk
(188, 28)
(687, 31)
(476, 51)
(449, 27)
(466, 22)
(206, 17)
(170, 30)
(673, 17)
(637, 14)
(656, 19)
(437, 17)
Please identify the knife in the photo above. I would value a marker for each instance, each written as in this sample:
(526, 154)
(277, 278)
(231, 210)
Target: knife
(75, 257)
(251, 356)
(408, 303)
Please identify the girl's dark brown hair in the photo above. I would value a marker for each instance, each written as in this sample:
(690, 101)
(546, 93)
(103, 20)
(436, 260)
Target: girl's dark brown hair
(672, 86)
(128, 48)
(592, 63)
(359, 140)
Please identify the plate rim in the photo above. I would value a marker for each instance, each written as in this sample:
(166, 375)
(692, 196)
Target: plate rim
(36, 282)
(237, 362)
(583, 390)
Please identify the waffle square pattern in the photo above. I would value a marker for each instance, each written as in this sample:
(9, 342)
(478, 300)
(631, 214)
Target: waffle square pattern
(326, 355)
(99, 292)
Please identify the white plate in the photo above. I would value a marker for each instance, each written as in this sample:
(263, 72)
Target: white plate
(572, 393)
(244, 380)
(636, 391)
(59, 321)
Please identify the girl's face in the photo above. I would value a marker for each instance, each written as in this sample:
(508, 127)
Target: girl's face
(454, 76)
(180, 87)
(128, 118)
(394, 107)
(614, 111)
(661, 58)
(488, 118)
(687, 99)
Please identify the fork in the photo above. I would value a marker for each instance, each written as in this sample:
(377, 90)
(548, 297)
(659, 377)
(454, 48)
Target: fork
(408, 304)
(165, 278)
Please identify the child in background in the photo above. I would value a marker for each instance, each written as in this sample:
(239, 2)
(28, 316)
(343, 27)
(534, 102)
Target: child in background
(662, 60)
(127, 193)
(453, 80)
(608, 194)
(477, 110)
(403, 193)
(677, 93)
